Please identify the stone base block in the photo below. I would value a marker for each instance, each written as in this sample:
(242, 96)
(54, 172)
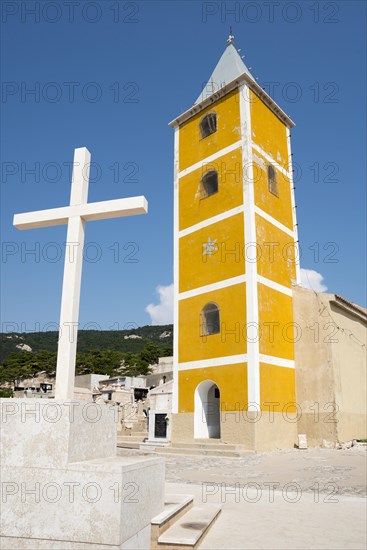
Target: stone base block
(52, 500)
(51, 433)
(139, 541)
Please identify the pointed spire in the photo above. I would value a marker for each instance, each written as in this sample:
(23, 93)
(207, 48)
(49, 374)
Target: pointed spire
(229, 67)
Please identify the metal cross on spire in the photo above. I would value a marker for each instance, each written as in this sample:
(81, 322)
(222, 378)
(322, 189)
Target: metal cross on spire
(230, 38)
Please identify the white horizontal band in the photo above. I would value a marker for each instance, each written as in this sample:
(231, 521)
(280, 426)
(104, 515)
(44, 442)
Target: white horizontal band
(275, 286)
(214, 286)
(210, 221)
(271, 160)
(275, 222)
(214, 362)
(210, 159)
(277, 361)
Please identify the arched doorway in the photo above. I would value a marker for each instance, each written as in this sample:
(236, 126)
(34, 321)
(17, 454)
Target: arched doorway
(207, 411)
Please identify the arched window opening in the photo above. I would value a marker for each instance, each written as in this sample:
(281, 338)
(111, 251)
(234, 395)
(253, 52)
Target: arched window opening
(210, 319)
(208, 125)
(272, 180)
(209, 184)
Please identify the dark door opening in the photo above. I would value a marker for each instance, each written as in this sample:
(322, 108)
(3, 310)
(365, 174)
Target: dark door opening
(160, 425)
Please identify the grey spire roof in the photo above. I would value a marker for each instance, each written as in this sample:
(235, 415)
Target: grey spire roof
(229, 67)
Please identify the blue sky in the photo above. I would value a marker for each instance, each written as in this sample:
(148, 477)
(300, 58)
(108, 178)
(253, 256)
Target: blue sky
(110, 76)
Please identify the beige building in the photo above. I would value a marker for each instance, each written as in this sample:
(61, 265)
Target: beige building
(330, 358)
(161, 373)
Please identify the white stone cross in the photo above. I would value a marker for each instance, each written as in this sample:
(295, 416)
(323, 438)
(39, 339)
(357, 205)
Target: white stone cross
(75, 217)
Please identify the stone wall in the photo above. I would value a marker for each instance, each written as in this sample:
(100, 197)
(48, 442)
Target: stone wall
(330, 368)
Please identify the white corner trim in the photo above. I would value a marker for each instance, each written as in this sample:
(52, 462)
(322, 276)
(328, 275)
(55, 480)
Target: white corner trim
(277, 361)
(210, 221)
(275, 286)
(275, 222)
(214, 362)
(210, 159)
(224, 283)
(294, 215)
(252, 305)
(175, 274)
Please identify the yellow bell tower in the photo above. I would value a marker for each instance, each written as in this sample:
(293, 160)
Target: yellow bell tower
(235, 254)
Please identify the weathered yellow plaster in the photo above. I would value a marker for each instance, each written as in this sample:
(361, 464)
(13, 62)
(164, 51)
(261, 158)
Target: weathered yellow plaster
(275, 253)
(279, 207)
(230, 379)
(192, 148)
(275, 323)
(268, 132)
(224, 258)
(277, 386)
(232, 302)
(194, 209)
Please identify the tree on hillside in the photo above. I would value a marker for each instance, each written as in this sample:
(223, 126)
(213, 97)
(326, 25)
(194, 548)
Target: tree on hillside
(42, 361)
(150, 354)
(26, 365)
(6, 392)
(167, 352)
(16, 367)
(99, 362)
(136, 364)
(110, 362)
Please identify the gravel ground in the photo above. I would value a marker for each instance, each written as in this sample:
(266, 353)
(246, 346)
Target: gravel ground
(327, 471)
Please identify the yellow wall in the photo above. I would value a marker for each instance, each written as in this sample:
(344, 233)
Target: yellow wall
(277, 385)
(275, 258)
(232, 303)
(275, 307)
(192, 148)
(193, 209)
(225, 376)
(197, 269)
(268, 131)
(279, 207)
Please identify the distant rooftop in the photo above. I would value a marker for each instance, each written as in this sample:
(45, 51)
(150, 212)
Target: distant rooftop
(359, 308)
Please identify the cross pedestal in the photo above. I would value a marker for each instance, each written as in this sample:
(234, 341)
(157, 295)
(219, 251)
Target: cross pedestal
(63, 487)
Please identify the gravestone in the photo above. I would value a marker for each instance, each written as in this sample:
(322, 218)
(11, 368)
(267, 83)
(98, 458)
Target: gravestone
(63, 487)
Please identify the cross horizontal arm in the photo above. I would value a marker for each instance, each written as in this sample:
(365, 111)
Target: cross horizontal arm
(89, 212)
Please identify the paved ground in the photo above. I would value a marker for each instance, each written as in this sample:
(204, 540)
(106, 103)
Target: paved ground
(311, 499)
(267, 524)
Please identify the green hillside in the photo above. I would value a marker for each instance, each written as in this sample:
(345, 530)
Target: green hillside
(116, 340)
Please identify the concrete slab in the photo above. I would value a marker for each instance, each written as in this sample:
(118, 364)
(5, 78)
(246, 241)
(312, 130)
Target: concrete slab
(173, 503)
(253, 521)
(187, 531)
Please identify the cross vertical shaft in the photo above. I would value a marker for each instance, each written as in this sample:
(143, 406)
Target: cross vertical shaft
(69, 315)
